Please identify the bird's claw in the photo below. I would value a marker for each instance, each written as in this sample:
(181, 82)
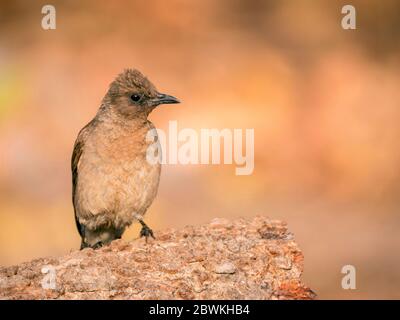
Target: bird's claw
(97, 245)
(146, 232)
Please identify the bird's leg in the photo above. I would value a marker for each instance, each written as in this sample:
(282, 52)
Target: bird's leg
(84, 245)
(146, 231)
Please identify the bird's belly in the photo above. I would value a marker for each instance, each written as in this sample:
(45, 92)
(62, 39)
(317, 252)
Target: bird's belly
(118, 189)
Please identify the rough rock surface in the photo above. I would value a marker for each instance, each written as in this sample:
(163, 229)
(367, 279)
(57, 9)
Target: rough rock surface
(242, 259)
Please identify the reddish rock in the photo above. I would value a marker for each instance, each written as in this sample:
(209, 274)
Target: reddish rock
(242, 259)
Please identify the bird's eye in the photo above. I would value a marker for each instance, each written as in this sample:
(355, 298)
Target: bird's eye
(135, 97)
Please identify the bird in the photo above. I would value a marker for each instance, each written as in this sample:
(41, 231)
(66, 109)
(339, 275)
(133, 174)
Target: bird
(113, 184)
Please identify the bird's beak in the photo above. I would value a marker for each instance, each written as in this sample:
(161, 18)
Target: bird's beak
(164, 99)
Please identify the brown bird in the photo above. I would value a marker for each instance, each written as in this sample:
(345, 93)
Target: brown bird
(113, 183)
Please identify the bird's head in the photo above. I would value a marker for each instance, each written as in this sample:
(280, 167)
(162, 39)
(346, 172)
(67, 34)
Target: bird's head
(133, 95)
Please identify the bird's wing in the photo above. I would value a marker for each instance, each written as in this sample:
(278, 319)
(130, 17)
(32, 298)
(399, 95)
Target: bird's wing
(76, 155)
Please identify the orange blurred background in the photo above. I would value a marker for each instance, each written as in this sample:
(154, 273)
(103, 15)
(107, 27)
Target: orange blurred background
(324, 103)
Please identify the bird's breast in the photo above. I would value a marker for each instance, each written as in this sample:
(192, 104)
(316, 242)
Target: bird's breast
(114, 175)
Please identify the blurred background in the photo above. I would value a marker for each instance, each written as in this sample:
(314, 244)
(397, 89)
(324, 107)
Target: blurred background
(324, 103)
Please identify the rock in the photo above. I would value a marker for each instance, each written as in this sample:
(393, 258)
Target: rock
(241, 259)
(225, 268)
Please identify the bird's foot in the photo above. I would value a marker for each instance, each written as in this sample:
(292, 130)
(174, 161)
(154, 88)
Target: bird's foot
(146, 231)
(94, 247)
(97, 245)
